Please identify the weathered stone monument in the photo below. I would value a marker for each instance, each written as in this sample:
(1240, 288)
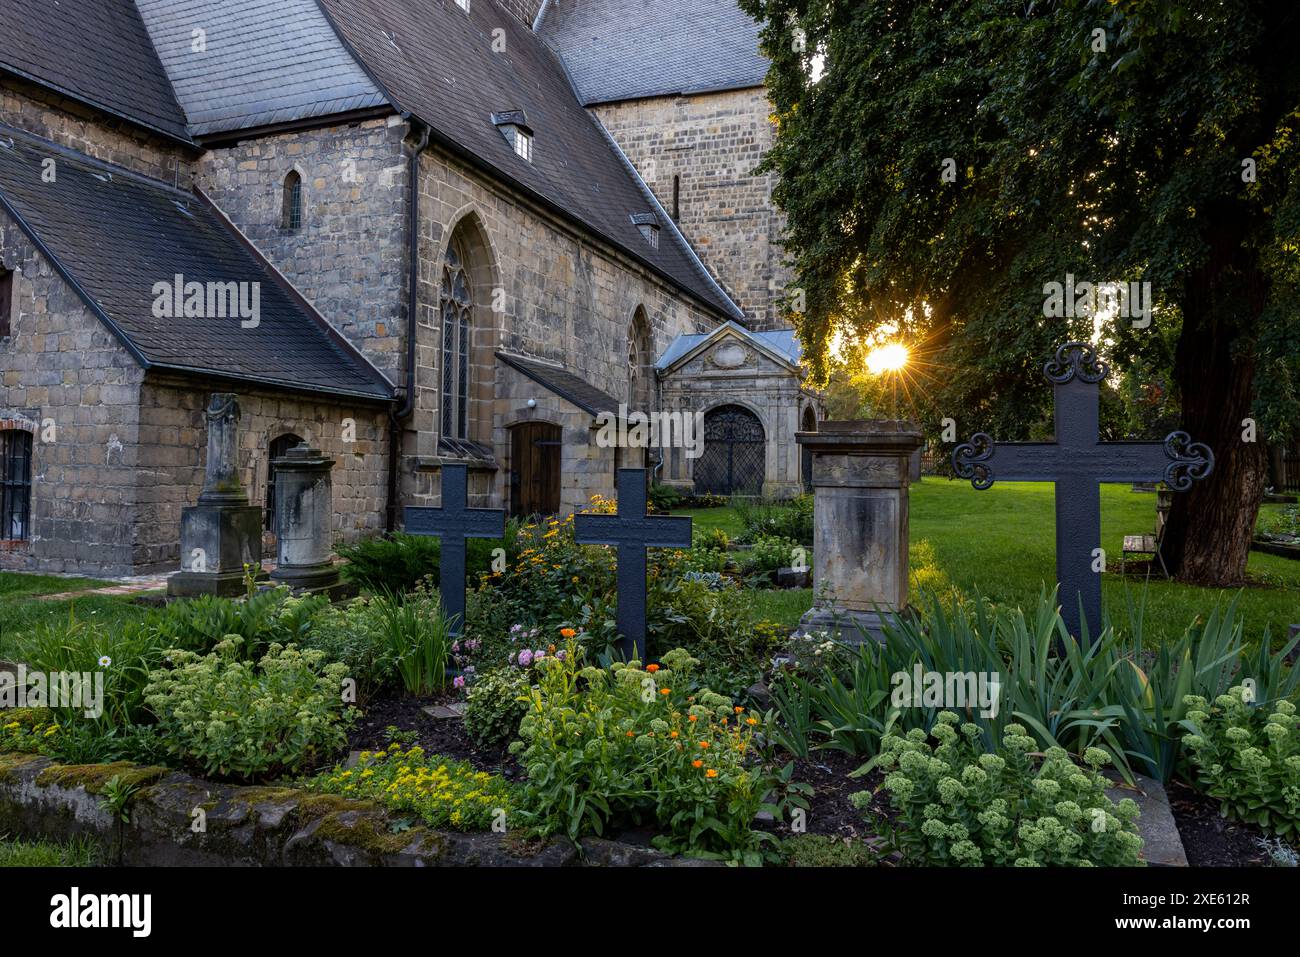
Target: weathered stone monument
(861, 471)
(223, 533)
(304, 515)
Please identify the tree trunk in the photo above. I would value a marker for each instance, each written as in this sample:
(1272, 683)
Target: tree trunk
(1208, 535)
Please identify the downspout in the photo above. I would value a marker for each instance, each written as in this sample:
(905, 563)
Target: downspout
(398, 416)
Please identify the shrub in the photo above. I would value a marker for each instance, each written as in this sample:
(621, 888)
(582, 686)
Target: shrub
(496, 703)
(791, 519)
(417, 636)
(824, 850)
(770, 552)
(27, 730)
(441, 792)
(398, 561)
(235, 719)
(621, 746)
(957, 805)
(1247, 756)
(664, 498)
(712, 538)
(353, 635)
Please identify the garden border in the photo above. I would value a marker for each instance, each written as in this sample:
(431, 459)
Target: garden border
(262, 826)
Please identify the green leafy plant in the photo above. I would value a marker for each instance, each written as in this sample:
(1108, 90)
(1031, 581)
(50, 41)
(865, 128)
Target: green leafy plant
(956, 804)
(620, 746)
(117, 798)
(440, 791)
(825, 850)
(236, 719)
(1247, 756)
(496, 703)
(768, 553)
(418, 639)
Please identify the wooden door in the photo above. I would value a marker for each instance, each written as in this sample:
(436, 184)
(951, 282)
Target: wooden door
(535, 469)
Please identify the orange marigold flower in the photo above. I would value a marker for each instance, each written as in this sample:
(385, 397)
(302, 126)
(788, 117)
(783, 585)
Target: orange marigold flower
(711, 773)
(665, 691)
(738, 709)
(697, 763)
(673, 735)
(751, 721)
(629, 734)
(693, 718)
(705, 745)
(652, 668)
(567, 632)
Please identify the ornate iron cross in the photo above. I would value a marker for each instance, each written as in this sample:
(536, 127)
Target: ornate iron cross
(633, 532)
(453, 523)
(1078, 463)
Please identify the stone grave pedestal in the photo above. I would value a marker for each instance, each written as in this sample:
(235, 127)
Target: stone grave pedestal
(861, 471)
(223, 533)
(304, 524)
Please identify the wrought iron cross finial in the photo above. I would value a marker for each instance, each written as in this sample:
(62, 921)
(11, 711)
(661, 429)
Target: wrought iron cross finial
(1078, 462)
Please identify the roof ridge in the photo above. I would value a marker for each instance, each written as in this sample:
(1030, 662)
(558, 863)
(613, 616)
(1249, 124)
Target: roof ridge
(85, 159)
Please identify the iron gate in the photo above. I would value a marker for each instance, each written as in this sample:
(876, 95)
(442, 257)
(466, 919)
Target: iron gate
(734, 451)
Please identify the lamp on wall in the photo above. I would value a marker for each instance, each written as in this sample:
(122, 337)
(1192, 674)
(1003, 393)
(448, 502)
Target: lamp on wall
(532, 403)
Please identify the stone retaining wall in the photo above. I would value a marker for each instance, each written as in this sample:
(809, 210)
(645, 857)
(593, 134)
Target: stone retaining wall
(261, 826)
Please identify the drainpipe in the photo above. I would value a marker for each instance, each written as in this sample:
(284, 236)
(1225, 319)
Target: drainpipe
(398, 416)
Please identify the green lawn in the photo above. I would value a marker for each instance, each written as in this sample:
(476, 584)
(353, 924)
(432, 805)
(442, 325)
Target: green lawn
(22, 613)
(13, 585)
(1002, 542)
(82, 852)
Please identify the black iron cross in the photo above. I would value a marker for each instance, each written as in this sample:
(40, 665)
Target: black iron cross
(1078, 463)
(453, 523)
(633, 532)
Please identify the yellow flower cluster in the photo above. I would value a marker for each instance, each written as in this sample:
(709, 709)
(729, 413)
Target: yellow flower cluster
(442, 791)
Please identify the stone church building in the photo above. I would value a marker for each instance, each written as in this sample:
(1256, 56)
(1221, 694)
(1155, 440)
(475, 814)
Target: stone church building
(410, 232)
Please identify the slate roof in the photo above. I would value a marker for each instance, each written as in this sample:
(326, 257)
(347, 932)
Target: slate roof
(266, 62)
(783, 342)
(563, 383)
(437, 61)
(95, 51)
(113, 235)
(629, 49)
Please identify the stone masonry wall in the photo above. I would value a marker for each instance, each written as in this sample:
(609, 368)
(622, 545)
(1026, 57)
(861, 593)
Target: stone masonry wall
(77, 127)
(173, 437)
(349, 257)
(713, 142)
(69, 381)
(562, 298)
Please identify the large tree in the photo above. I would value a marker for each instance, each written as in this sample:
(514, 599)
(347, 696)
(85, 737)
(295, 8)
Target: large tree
(1114, 140)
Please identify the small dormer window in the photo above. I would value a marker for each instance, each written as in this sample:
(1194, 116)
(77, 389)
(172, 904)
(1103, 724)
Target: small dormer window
(514, 127)
(463, 4)
(648, 224)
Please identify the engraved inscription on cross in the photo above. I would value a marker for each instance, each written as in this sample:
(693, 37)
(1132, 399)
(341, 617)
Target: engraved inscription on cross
(1078, 463)
(453, 523)
(632, 531)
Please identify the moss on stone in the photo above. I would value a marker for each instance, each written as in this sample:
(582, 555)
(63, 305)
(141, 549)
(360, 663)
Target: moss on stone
(94, 777)
(14, 760)
(367, 831)
(27, 717)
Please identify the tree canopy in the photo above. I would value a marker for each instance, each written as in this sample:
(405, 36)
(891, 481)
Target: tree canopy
(953, 158)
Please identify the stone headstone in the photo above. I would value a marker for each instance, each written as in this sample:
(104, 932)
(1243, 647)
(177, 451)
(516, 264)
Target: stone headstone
(861, 471)
(223, 533)
(304, 523)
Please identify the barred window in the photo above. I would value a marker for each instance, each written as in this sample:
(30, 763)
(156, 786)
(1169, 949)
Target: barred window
(456, 305)
(15, 484)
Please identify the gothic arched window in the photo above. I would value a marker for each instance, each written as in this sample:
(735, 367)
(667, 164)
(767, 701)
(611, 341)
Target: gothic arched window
(639, 373)
(291, 214)
(456, 304)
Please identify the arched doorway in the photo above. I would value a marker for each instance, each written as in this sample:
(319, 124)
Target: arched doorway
(280, 445)
(535, 469)
(809, 424)
(734, 453)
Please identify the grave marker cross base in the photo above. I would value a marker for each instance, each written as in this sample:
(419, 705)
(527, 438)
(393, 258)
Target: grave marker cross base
(632, 531)
(1078, 463)
(453, 523)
